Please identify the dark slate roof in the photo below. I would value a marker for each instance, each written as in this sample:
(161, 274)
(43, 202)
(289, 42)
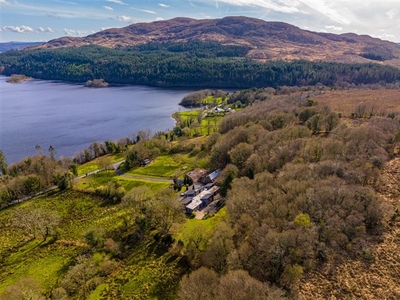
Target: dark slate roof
(214, 174)
(186, 201)
(209, 185)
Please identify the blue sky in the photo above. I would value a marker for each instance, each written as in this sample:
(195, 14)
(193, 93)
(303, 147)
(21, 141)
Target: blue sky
(30, 20)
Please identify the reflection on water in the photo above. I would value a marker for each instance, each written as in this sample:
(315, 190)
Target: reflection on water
(70, 117)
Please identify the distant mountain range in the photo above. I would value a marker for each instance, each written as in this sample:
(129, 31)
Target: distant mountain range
(17, 45)
(235, 52)
(267, 41)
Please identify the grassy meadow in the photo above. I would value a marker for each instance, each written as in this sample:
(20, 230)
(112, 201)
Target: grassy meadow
(96, 163)
(143, 270)
(45, 261)
(209, 121)
(140, 270)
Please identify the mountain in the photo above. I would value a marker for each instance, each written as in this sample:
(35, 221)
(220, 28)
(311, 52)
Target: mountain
(17, 45)
(235, 52)
(267, 40)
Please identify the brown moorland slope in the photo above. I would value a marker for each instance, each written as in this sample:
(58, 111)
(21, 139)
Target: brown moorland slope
(378, 101)
(267, 40)
(377, 275)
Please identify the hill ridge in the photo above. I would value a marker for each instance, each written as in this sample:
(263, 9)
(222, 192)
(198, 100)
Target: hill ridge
(268, 40)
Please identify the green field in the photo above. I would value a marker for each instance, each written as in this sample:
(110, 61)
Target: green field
(148, 269)
(166, 166)
(162, 168)
(44, 260)
(213, 100)
(104, 177)
(206, 225)
(143, 268)
(209, 122)
(94, 164)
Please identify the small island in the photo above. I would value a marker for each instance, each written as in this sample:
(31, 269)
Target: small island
(18, 78)
(96, 83)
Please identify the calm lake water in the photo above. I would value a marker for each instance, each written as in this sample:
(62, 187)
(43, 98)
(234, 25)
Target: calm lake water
(70, 117)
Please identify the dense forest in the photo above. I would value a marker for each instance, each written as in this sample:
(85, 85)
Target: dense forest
(300, 187)
(207, 64)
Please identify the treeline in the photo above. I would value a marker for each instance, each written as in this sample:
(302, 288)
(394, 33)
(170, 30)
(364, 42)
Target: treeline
(299, 188)
(34, 174)
(247, 96)
(39, 172)
(194, 64)
(196, 99)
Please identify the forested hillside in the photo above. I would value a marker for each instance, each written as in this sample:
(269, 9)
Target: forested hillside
(207, 64)
(303, 194)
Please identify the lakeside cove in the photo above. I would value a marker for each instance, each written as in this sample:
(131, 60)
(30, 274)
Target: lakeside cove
(70, 117)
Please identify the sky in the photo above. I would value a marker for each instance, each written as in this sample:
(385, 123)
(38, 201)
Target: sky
(43, 20)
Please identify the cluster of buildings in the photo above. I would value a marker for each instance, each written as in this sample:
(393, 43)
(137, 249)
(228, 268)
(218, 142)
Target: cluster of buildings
(202, 192)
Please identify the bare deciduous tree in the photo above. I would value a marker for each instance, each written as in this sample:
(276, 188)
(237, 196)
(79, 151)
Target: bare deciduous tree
(36, 222)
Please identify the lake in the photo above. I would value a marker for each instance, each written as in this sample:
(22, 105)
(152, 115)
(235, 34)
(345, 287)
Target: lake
(70, 117)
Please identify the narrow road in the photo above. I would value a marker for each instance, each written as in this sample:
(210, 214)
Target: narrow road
(147, 178)
(117, 171)
(28, 197)
(114, 165)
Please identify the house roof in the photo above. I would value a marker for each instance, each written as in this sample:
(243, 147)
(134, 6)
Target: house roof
(196, 174)
(204, 195)
(186, 201)
(196, 202)
(209, 185)
(209, 193)
(189, 193)
(214, 174)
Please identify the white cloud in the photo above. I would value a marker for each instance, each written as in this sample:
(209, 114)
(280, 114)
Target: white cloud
(108, 7)
(284, 6)
(327, 9)
(48, 30)
(18, 29)
(5, 2)
(125, 19)
(54, 15)
(391, 14)
(163, 5)
(159, 19)
(69, 31)
(332, 27)
(66, 2)
(84, 32)
(22, 10)
(148, 11)
(144, 10)
(117, 2)
(387, 37)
